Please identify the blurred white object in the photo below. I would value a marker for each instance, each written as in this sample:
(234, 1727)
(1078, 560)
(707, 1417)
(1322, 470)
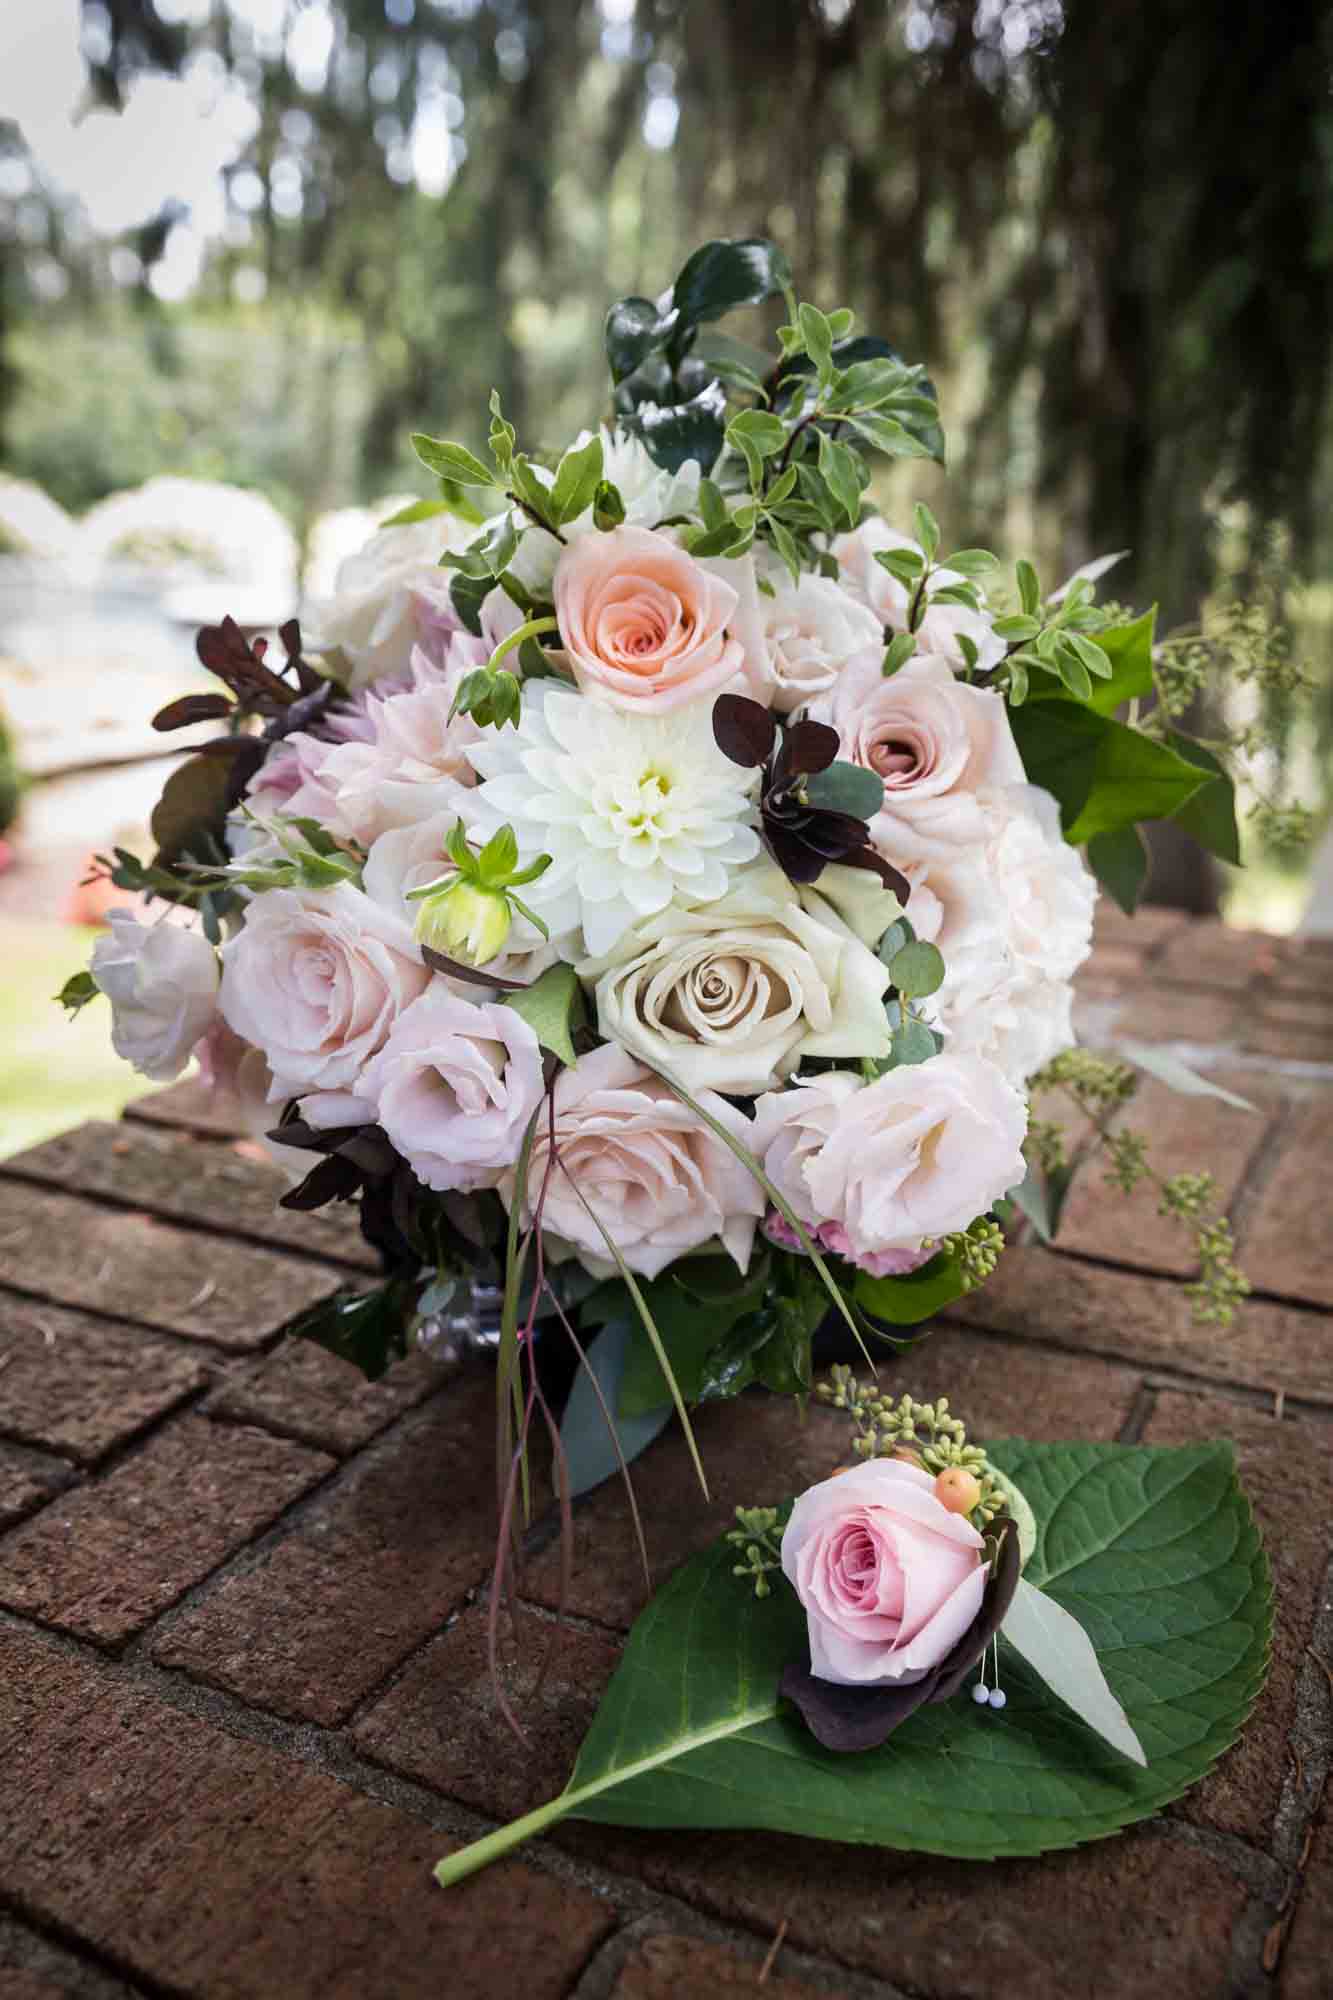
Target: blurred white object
(223, 533)
(33, 524)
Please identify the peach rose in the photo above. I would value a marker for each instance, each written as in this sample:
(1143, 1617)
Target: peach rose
(890, 1580)
(642, 622)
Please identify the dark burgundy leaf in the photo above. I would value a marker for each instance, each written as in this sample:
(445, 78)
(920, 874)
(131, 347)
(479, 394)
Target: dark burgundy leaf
(476, 976)
(226, 652)
(332, 1180)
(191, 708)
(744, 730)
(798, 862)
(808, 747)
(861, 1718)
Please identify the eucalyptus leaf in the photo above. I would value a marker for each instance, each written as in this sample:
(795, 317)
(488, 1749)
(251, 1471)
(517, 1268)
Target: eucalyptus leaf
(847, 788)
(1152, 1551)
(917, 970)
(1177, 1075)
(590, 1452)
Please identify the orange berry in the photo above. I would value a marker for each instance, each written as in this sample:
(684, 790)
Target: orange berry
(958, 1490)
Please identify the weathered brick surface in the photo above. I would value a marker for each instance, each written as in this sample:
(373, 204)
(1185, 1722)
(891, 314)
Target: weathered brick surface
(1008, 1390)
(1142, 1914)
(176, 1175)
(1211, 954)
(305, 1392)
(187, 1107)
(1044, 1296)
(16, 1984)
(1193, 1014)
(106, 1559)
(131, 1266)
(82, 1386)
(441, 1724)
(1185, 1135)
(1146, 933)
(674, 1968)
(228, 1871)
(1286, 1243)
(364, 1577)
(27, 1480)
(1305, 1964)
(1288, 1474)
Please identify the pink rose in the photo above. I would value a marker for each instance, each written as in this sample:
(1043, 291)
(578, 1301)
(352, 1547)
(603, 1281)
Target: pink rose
(651, 1171)
(642, 621)
(889, 1578)
(316, 979)
(455, 1086)
(934, 741)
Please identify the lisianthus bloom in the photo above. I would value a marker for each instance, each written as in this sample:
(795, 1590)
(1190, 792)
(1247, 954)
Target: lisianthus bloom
(162, 982)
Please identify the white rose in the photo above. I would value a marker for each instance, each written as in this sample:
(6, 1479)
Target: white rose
(454, 1087)
(935, 742)
(733, 995)
(372, 616)
(316, 979)
(811, 630)
(162, 982)
(912, 1157)
(1049, 891)
(653, 1174)
(939, 630)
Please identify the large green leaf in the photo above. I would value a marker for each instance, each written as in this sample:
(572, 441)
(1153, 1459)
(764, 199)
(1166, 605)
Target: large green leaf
(1210, 816)
(1129, 649)
(1104, 775)
(1119, 860)
(1153, 1551)
(908, 1300)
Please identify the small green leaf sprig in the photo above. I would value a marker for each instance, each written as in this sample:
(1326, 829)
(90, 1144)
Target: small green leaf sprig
(927, 1433)
(759, 1544)
(1100, 1087)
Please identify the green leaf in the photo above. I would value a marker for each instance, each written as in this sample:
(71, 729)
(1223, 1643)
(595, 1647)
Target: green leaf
(818, 337)
(1057, 1648)
(577, 478)
(634, 330)
(972, 562)
(913, 1043)
(675, 432)
(1153, 1551)
(904, 566)
(843, 473)
(1073, 673)
(1129, 650)
(1119, 860)
(847, 788)
(608, 509)
(1029, 590)
(1104, 775)
(590, 1451)
(416, 510)
(927, 530)
(691, 1329)
(897, 653)
(369, 1329)
(552, 1007)
(906, 1301)
(1210, 816)
(729, 272)
(764, 431)
(77, 991)
(451, 461)
(917, 970)
(886, 434)
(1041, 1198)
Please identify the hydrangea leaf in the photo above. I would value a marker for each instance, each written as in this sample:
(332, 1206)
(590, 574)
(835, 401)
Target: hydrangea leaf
(1153, 1551)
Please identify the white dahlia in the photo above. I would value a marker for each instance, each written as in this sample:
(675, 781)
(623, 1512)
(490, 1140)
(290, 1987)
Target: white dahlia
(636, 811)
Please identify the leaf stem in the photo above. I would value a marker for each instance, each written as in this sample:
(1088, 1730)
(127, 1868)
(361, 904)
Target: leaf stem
(516, 638)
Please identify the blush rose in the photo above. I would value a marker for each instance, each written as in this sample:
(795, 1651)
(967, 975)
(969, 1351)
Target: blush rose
(889, 1579)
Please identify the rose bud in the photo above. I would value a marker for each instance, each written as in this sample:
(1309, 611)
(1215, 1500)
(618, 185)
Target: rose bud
(899, 1595)
(465, 922)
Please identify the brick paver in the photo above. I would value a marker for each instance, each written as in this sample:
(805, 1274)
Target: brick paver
(245, 1695)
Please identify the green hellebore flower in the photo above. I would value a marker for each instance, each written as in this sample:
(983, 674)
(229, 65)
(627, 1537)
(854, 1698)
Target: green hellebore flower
(466, 922)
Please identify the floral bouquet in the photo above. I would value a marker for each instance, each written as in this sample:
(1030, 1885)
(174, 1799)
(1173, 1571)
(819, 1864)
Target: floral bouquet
(653, 897)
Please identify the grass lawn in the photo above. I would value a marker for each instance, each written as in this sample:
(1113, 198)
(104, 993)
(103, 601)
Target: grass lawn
(54, 1072)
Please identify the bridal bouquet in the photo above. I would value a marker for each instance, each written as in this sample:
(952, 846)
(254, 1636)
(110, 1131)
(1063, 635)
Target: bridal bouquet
(654, 890)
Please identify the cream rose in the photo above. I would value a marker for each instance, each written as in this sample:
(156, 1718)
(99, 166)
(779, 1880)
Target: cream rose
(890, 1580)
(454, 1087)
(919, 1153)
(939, 630)
(659, 1181)
(810, 631)
(162, 982)
(933, 740)
(316, 979)
(642, 623)
(371, 619)
(733, 995)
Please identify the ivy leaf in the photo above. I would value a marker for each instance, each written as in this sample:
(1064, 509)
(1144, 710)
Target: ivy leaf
(552, 1007)
(1153, 1552)
(1104, 775)
(1210, 816)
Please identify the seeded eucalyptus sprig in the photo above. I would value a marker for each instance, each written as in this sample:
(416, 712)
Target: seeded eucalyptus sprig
(923, 1434)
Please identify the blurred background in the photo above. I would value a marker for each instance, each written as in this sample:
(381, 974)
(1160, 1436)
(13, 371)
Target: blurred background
(249, 244)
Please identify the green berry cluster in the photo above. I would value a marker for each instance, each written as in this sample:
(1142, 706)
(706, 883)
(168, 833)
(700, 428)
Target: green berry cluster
(756, 1537)
(927, 1432)
(978, 1249)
